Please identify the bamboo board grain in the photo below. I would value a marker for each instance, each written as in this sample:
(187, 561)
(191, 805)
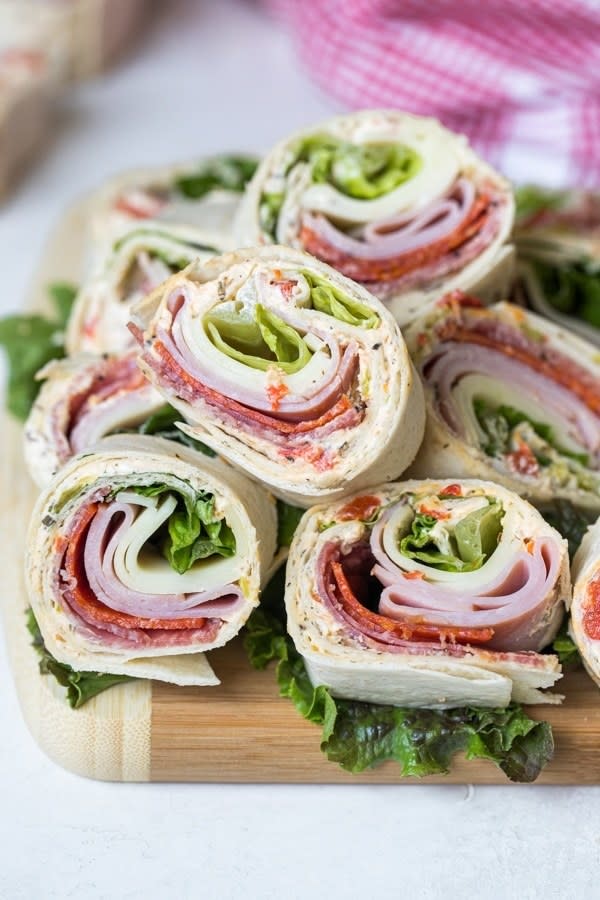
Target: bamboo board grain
(240, 731)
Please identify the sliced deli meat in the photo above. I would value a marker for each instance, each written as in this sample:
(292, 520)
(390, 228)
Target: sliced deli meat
(585, 606)
(428, 594)
(144, 554)
(396, 202)
(135, 264)
(511, 397)
(83, 399)
(287, 369)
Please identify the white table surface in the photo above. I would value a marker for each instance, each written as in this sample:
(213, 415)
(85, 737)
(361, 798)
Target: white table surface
(219, 76)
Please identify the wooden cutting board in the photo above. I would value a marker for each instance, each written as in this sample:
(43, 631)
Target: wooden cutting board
(240, 731)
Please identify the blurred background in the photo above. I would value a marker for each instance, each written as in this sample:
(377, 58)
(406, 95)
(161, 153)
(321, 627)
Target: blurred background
(92, 87)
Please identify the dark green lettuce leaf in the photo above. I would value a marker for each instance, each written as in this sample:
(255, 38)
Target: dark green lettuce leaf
(288, 518)
(569, 521)
(193, 530)
(532, 199)
(31, 341)
(162, 424)
(81, 686)
(424, 741)
(565, 648)
(498, 423)
(571, 288)
(359, 735)
(231, 173)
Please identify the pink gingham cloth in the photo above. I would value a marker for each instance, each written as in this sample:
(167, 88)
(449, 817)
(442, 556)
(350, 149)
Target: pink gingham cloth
(520, 77)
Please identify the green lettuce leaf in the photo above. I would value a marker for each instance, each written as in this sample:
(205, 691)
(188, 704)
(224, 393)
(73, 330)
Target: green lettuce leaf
(565, 648)
(363, 171)
(569, 521)
(193, 530)
(424, 741)
(328, 299)
(498, 423)
(273, 341)
(81, 686)
(162, 424)
(31, 341)
(270, 207)
(477, 534)
(532, 199)
(472, 540)
(571, 288)
(288, 518)
(361, 735)
(230, 173)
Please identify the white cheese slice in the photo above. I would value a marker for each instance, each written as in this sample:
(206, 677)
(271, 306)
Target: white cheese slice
(499, 393)
(440, 167)
(141, 568)
(254, 380)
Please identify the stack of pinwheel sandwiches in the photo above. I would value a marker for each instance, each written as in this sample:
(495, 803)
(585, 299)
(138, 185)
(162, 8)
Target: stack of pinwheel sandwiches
(338, 336)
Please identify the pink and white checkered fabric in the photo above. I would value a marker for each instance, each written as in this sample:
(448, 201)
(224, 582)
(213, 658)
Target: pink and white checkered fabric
(520, 77)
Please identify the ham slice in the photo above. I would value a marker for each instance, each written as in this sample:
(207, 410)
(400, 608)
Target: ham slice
(118, 393)
(326, 409)
(455, 359)
(88, 585)
(438, 237)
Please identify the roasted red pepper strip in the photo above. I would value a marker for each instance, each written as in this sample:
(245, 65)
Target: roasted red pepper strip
(523, 460)
(407, 631)
(591, 614)
(276, 393)
(451, 490)
(361, 508)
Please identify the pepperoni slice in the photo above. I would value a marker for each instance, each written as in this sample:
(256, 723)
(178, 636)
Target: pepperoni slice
(395, 267)
(407, 631)
(246, 412)
(549, 362)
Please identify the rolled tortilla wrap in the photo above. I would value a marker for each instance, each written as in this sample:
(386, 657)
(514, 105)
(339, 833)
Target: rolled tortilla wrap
(558, 222)
(392, 200)
(144, 554)
(202, 194)
(428, 594)
(139, 261)
(510, 397)
(82, 400)
(290, 371)
(585, 606)
(557, 234)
